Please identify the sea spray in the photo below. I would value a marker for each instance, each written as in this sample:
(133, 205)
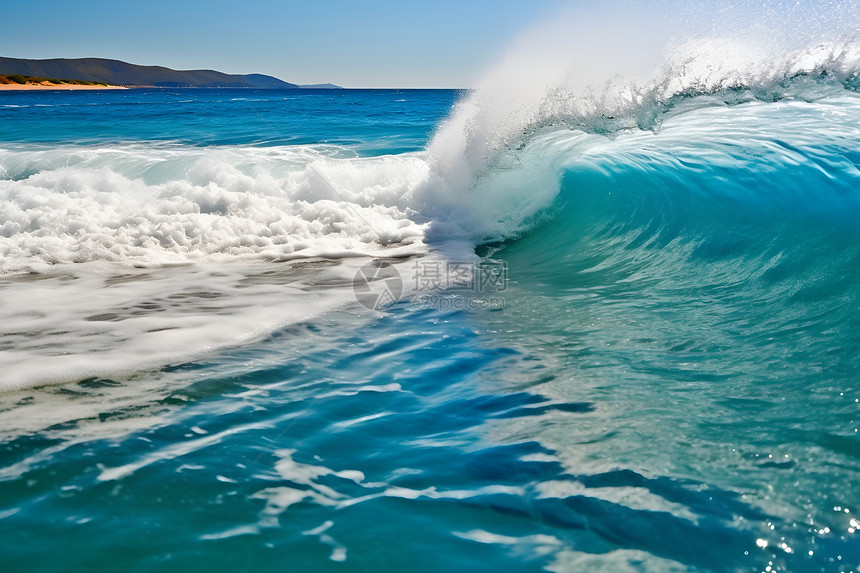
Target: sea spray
(623, 71)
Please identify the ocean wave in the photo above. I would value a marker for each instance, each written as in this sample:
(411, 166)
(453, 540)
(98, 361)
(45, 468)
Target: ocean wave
(498, 159)
(741, 184)
(491, 172)
(156, 204)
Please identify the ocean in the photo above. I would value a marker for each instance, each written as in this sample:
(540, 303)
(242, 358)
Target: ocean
(426, 330)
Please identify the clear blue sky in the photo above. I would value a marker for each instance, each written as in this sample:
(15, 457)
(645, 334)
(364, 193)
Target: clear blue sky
(371, 43)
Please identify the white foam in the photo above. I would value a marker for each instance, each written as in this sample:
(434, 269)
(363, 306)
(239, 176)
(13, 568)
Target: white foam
(100, 320)
(155, 205)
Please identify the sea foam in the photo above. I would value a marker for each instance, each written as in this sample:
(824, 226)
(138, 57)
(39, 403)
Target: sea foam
(153, 205)
(129, 257)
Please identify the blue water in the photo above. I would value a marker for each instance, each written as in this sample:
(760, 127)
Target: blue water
(375, 122)
(671, 383)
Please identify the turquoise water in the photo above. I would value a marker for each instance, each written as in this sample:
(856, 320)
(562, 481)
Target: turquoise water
(669, 382)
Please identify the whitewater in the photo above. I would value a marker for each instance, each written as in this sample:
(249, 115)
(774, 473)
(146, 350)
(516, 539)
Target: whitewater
(670, 384)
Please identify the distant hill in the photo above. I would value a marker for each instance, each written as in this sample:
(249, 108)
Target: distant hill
(266, 82)
(120, 73)
(320, 87)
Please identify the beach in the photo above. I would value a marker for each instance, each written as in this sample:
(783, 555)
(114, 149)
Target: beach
(49, 86)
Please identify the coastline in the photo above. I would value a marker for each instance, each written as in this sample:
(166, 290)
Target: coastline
(63, 87)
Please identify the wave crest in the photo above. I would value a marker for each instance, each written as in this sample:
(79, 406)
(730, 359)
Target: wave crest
(496, 162)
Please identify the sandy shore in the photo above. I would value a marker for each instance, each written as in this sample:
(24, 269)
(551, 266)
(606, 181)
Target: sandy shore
(29, 87)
